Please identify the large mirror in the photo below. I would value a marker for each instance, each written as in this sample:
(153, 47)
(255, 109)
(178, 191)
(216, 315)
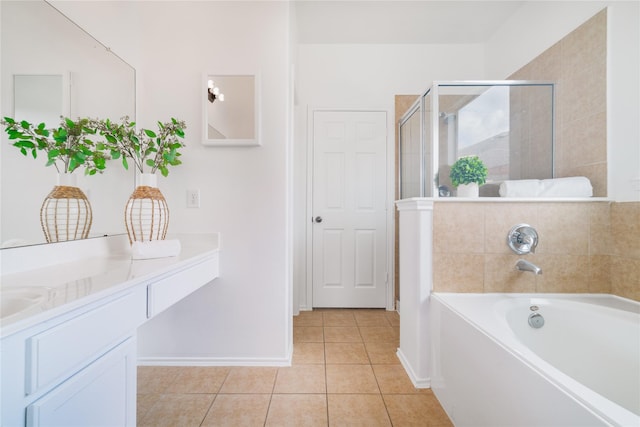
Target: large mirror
(51, 67)
(230, 110)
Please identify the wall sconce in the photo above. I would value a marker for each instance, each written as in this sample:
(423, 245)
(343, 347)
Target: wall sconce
(213, 92)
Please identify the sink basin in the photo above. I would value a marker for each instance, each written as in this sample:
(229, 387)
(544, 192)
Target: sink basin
(13, 301)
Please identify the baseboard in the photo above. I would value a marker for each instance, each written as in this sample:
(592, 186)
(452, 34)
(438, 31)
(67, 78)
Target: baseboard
(211, 361)
(417, 382)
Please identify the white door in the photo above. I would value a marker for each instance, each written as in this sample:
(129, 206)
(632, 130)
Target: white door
(349, 218)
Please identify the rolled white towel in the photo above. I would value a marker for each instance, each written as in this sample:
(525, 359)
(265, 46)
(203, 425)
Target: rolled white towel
(575, 186)
(155, 249)
(520, 188)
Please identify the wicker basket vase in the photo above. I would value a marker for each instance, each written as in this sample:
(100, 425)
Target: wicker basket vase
(66, 213)
(146, 215)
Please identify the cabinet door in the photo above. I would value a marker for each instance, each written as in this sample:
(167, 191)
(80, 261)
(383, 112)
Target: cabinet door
(102, 394)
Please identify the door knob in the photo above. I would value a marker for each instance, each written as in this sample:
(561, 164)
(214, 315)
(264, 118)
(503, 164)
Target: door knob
(318, 219)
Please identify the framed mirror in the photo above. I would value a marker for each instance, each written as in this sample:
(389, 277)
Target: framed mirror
(231, 113)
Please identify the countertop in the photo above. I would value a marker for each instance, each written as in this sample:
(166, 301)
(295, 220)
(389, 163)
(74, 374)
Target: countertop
(96, 269)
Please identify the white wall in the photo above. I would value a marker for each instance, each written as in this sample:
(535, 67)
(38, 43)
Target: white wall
(538, 25)
(365, 76)
(245, 315)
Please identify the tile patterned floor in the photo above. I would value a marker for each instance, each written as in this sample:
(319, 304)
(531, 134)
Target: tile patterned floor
(344, 373)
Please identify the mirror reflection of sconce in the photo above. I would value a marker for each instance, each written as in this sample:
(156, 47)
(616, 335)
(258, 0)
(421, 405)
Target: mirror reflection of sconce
(236, 121)
(213, 92)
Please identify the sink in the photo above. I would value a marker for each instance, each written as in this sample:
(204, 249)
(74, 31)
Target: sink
(13, 301)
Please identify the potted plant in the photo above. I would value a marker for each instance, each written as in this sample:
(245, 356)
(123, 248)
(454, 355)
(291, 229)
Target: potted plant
(146, 212)
(65, 213)
(466, 174)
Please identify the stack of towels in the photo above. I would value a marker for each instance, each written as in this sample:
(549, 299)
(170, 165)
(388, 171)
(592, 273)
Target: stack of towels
(576, 186)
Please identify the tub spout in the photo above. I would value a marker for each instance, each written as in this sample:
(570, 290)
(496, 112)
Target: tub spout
(523, 265)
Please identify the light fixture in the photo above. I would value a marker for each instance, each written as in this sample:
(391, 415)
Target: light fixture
(213, 92)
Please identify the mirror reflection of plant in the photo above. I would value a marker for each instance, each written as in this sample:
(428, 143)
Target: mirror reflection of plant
(146, 148)
(67, 147)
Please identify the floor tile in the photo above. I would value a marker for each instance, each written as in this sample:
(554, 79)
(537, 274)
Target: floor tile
(178, 410)
(297, 410)
(156, 379)
(393, 317)
(308, 353)
(339, 318)
(393, 379)
(338, 353)
(308, 318)
(416, 410)
(342, 334)
(198, 379)
(355, 410)
(351, 379)
(250, 380)
(382, 353)
(301, 379)
(233, 410)
(308, 334)
(380, 334)
(144, 403)
(371, 318)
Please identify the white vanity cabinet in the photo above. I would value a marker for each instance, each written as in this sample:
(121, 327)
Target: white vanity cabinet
(72, 361)
(76, 369)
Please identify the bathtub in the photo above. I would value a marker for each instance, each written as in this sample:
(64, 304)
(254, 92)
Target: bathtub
(489, 367)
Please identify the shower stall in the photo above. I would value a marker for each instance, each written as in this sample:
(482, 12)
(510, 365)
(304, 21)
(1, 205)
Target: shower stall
(508, 124)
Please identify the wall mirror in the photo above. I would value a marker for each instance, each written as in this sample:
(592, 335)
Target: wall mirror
(51, 67)
(231, 114)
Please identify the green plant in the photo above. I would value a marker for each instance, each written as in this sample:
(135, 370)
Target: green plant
(467, 170)
(67, 147)
(145, 147)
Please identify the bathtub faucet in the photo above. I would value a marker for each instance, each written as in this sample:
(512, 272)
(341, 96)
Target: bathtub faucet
(523, 265)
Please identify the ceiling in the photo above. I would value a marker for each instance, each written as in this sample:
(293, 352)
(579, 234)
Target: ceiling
(401, 22)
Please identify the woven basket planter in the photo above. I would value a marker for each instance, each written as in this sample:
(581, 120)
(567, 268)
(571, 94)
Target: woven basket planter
(66, 212)
(146, 215)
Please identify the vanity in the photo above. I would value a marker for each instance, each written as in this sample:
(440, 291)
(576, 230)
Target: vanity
(69, 318)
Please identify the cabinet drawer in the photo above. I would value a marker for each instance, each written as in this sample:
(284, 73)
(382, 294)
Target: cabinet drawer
(166, 292)
(59, 352)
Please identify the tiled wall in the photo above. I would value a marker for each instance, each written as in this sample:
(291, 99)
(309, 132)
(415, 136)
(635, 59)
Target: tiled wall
(578, 66)
(584, 247)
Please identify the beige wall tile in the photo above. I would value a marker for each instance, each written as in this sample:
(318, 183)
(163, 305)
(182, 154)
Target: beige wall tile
(625, 277)
(563, 228)
(458, 228)
(563, 273)
(625, 229)
(458, 272)
(600, 273)
(600, 229)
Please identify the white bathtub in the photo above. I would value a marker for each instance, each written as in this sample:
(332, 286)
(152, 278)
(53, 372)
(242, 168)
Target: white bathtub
(582, 368)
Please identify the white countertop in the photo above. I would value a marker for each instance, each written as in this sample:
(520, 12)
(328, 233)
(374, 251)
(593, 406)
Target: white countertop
(97, 269)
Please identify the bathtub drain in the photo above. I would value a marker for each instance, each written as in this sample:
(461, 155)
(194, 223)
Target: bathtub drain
(536, 320)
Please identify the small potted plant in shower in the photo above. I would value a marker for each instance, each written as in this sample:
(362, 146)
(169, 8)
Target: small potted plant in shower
(467, 174)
